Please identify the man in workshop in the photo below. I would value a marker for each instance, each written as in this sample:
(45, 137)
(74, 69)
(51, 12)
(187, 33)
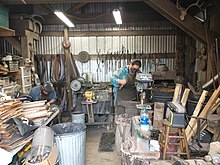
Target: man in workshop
(44, 92)
(123, 81)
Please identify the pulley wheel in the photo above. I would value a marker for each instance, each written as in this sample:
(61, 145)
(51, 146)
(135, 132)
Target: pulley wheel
(75, 85)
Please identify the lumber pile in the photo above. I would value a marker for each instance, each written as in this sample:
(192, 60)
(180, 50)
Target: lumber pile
(9, 110)
(212, 104)
(36, 111)
(10, 135)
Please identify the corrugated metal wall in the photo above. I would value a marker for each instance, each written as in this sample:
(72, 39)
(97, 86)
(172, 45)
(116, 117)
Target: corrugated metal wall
(108, 45)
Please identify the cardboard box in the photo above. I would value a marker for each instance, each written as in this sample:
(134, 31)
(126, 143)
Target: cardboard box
(51, 159)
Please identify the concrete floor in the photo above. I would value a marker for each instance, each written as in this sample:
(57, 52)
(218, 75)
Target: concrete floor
(93, 156)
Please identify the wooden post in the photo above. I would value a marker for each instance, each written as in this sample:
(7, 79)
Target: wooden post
(67, 58)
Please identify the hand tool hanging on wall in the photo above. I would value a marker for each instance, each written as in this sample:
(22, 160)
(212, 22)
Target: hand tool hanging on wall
(74, 70)
(98, 70)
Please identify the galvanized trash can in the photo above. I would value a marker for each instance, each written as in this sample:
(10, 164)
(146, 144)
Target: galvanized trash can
(71, 143)
(78, 118)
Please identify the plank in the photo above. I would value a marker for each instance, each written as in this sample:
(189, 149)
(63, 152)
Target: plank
(177, 93)
(191, 131)
(185, 97)
(195, 114)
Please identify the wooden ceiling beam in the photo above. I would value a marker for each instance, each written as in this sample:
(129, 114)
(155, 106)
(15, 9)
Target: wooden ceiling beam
(112, 33)
(46, 8)
(76, 8)
(190, 25)
(62, 1)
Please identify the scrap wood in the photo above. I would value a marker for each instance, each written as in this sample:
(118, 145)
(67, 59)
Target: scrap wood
(16, 141)
(38, 114)
(213, 109)
(177, 93)
(12, 103)
(33, 104)
(185, 97)
(31, 112)
(35, 108)
(193, 121)
(204, 112)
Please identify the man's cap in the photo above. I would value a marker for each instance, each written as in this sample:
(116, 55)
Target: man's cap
(48, 87)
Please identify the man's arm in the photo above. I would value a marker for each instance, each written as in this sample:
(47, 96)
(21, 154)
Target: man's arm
(53, 97)
(119, 77)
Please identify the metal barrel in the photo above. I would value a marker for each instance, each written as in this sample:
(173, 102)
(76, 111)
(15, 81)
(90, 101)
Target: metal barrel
(78, 118)
(71, 141)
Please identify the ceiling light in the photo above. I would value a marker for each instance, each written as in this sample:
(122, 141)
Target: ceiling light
(117, 15)
(63, 18)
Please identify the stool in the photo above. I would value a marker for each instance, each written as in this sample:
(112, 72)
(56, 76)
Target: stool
(181, 137)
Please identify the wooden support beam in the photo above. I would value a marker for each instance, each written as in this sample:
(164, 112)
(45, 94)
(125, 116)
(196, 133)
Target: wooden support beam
(139, 56)
(15, 43)
(112, 33)
(6, 32)
(31, 34)
(46, 8)
(67, 58)
(62, 1)
(190, 25)
(76, 8)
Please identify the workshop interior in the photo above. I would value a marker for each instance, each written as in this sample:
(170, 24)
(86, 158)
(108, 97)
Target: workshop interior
(109, 82)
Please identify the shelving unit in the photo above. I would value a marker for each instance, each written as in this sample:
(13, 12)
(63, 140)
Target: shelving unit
(26, 79)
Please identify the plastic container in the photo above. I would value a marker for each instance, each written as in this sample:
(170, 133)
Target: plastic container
(42, 145)
(145, 121)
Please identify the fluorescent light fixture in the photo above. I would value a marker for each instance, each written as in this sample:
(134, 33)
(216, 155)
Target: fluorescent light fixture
(117, 15)
(63, 18)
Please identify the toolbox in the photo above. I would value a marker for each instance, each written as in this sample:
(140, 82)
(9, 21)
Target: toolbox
(176, 114)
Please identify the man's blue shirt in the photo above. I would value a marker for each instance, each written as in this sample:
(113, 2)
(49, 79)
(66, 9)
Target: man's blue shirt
(35, 93)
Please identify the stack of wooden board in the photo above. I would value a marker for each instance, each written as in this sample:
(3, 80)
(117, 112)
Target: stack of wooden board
(35, 111)
(9, 110)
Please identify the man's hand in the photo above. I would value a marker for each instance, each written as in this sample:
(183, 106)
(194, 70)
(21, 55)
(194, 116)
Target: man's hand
(122, 82)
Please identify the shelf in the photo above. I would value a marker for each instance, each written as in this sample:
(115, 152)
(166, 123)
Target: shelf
(7, 72)
(6, 32)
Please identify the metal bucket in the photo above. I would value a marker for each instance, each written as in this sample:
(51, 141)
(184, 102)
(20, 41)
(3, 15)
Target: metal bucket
(71, 143)
(78, 118)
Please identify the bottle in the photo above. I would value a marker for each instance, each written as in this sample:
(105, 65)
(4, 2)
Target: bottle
(145, 121)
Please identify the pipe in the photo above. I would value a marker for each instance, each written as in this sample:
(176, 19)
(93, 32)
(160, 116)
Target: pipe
(210, 81)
